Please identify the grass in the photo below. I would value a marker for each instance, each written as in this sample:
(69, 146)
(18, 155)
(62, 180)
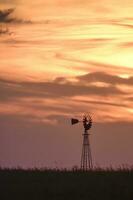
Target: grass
(18, 184)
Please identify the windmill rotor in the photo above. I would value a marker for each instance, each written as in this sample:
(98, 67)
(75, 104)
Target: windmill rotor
(87, 121)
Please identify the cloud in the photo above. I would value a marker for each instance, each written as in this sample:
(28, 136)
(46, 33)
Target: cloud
(130, 26)
(129, 99)
(6, 17)
(8, 1)
(126, 45)
(105, 78)
(11, 89)
(63, 96)
(103, 103)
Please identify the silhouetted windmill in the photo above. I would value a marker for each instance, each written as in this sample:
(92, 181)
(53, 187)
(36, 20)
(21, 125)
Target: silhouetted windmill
(86, 158)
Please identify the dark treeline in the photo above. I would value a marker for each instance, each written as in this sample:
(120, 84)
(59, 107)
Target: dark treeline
(18, 184)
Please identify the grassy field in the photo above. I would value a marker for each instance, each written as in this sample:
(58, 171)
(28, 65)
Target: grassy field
(18, 184)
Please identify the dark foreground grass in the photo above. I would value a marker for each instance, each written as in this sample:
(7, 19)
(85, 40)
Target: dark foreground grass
(18, 184)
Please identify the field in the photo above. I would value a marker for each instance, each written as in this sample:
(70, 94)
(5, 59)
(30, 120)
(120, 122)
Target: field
(18, 184)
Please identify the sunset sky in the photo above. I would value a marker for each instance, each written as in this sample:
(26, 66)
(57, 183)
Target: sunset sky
(61, 59)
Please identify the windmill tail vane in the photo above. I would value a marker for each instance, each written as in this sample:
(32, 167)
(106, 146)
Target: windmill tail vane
(74, 121)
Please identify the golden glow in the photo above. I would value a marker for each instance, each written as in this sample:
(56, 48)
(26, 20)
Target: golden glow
(124, 75)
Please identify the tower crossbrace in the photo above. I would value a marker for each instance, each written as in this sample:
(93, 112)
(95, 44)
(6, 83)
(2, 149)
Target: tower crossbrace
(86, 157)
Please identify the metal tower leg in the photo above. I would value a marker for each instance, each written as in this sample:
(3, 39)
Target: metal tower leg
(86, 158)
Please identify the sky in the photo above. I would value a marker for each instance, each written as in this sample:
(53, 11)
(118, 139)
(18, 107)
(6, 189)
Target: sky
(60, 59)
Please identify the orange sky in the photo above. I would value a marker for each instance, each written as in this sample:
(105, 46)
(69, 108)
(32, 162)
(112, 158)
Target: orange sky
(73, 57)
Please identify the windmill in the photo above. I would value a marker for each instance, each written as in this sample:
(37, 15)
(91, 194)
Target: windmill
(86, 158)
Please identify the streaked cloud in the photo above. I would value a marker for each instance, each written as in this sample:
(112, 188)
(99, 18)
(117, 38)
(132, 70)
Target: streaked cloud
(55, 89)
(62, 96)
